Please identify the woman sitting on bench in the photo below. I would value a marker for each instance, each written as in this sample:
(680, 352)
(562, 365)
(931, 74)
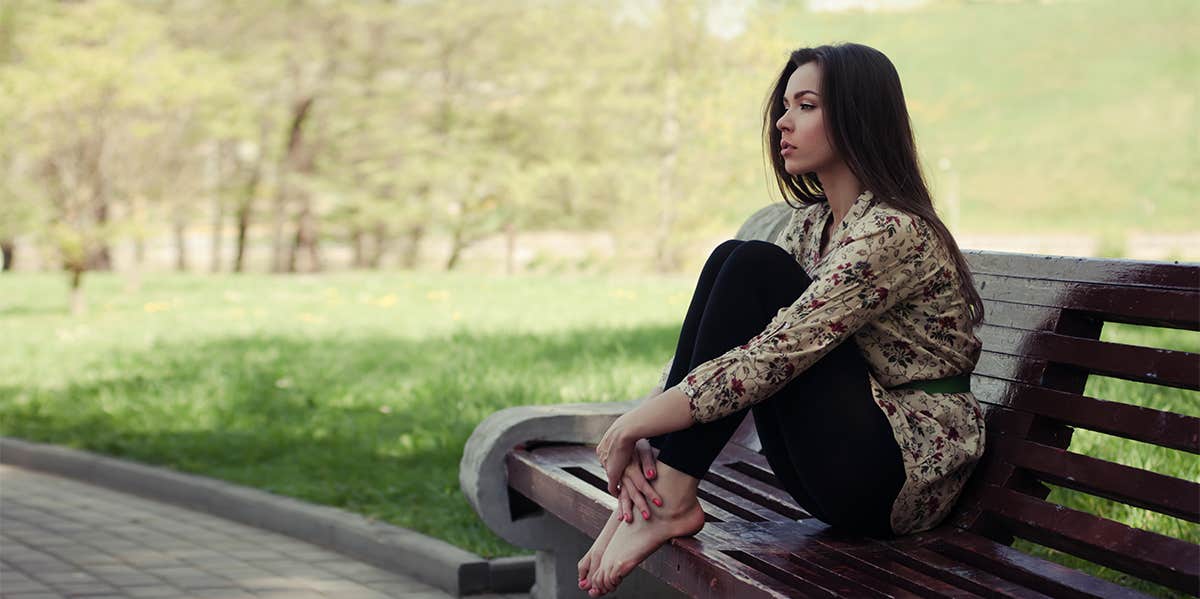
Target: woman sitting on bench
(852, 344)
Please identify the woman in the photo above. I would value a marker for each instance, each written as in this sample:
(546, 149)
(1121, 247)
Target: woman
(852, 344)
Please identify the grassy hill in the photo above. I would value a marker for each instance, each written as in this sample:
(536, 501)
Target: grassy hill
(1077, 116)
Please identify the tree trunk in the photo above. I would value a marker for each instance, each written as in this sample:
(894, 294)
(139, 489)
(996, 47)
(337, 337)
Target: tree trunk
(218, 209)
(249, 190)
(217, 235)
(243, 223)
(305, 239)
(458, 243)
(382, 241)
(510, 248)
(412, 246)
(357, 239)
(664, 259)
(8, 252)
(179, 231)
(244, 209)
(78, 301)
(291, 160)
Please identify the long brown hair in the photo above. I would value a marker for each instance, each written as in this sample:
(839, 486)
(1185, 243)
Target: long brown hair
(868, 124)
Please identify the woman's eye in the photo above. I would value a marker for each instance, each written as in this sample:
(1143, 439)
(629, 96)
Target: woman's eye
(803, 106)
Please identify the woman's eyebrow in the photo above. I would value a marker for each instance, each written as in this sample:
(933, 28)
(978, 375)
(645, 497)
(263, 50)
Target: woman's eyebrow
(796, 96)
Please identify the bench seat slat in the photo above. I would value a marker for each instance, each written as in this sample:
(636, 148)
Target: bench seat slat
(885, 565)
(551, 477)
(774, 499)
(955, 572)
(580, 504)
(744, 507)
(891, 583)
(1035, 572)
(716, 509)
(1138, 552)
(725, 507)
(832, 578)
(1133, 486)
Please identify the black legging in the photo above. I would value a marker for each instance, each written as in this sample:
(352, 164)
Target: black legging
(824, 437)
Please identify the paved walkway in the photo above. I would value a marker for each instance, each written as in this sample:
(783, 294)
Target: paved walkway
(63, 538)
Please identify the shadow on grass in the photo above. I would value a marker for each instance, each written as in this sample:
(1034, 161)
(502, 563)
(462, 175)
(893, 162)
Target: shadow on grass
(375, 425)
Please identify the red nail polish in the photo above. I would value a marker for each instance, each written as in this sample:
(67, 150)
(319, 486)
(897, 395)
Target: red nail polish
(650, 473)
(645, 515)
(658, 502)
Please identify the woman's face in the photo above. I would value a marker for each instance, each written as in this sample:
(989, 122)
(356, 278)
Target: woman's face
(804, 144)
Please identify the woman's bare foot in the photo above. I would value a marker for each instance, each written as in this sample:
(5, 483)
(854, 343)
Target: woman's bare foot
(591, 559)
(680, 516)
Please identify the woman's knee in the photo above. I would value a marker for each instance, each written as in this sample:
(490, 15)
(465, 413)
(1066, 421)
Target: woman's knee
(761, 259)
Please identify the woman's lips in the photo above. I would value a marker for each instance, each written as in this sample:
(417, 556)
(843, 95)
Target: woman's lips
(785, 148)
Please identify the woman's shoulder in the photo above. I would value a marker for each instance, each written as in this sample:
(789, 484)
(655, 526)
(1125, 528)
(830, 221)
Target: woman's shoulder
(893, 225)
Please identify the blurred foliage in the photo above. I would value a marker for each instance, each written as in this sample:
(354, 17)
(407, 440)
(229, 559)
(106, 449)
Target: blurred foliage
(378, 123)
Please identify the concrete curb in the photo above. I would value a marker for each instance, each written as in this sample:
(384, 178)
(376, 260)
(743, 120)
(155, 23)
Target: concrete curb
(430, 560)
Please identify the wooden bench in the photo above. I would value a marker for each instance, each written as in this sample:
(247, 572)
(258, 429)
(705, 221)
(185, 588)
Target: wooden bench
(532, 475)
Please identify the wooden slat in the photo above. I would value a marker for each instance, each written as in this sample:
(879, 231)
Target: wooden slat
(729, 507)
(934, 584)
(1165, 429)
(1130, 362)
(977, 581)
(1144, 273)
(772, 498)
(1020, 316)
(809, 577)
(1036, 573)
(1132, 486)
(864, 573)
(1009, 367)
(581, 505)
(1145, 554)
(1141, 305)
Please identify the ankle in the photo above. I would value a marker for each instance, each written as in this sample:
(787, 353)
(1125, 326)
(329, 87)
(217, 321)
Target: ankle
(677, 489)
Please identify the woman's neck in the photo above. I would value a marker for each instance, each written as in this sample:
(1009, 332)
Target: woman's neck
(841, 188)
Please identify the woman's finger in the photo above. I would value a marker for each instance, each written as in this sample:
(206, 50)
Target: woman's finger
(637, 495)
(646, 457)
(626, 504)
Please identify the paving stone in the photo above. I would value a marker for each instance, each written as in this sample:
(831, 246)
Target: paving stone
(62, 537)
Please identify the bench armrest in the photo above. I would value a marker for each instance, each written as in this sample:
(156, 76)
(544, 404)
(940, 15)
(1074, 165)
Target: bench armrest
(483, 474)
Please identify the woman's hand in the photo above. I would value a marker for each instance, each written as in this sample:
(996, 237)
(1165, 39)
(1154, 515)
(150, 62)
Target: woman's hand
(615, 452)
(635, 485)
(664, 413)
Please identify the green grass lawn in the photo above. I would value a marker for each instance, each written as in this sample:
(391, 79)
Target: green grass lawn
(359, 390)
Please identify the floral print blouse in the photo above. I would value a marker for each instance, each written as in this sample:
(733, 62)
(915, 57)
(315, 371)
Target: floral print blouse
(887, 280)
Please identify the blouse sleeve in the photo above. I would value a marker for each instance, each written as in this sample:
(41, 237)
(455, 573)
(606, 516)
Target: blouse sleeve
(862, 277)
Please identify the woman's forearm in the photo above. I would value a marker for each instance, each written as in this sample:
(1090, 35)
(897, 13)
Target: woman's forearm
(663, 413)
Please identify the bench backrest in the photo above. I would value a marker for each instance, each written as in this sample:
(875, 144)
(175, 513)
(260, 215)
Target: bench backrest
(1041, 346)
(1043, 320)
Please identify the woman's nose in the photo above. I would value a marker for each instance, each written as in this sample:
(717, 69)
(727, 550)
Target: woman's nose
(781, 124)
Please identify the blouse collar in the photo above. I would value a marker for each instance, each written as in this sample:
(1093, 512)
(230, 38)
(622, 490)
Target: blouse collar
(816, 222)
(857, 209)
